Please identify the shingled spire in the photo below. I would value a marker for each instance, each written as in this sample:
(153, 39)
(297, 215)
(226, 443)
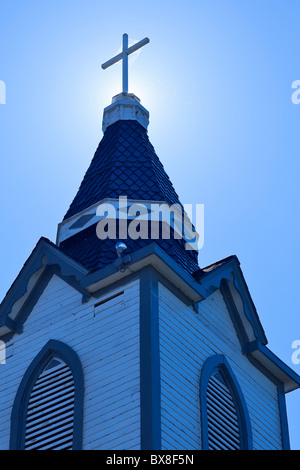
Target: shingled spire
(125, 165)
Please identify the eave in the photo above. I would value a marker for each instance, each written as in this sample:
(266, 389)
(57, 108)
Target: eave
(269, 361)
(46, 260)
(152, 255)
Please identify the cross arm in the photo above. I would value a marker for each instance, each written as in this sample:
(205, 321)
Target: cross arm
(136, 46)
(112, 61)
(130, 50)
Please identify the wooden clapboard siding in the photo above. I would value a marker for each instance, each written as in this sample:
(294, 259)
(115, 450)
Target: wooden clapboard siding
(187, 339)
(106, 339)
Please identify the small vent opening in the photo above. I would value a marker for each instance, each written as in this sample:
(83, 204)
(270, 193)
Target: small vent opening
(107, 299)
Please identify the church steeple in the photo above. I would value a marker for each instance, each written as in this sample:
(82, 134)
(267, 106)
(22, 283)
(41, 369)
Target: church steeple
(99, 333)
(125, 165)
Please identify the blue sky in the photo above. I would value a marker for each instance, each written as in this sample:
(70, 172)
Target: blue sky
(217, 80)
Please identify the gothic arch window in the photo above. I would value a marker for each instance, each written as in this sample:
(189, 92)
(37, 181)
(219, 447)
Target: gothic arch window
(48, 407)
(224, 416)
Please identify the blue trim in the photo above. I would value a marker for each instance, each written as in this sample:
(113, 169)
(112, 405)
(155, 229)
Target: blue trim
(211, 280)
(281, 401)
(55, 262)
(38, 289)
(256, 345)
(151, 249)
(46, 253)
(283, 418)
(233, 312)
(33, 297)
(263, 369)
(213, 364)
(206, 284)
(149, 362)
(9, 323)
(249, 307)
(116, 285)
(18, 415)
(226, 269)
(19, 286)
(173, 288)
(134, 276)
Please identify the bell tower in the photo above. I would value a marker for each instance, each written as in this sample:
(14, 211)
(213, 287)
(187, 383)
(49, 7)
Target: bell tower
(116, 338)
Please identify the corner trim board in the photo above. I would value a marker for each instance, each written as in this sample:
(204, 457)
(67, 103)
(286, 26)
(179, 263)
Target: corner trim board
(149, 362)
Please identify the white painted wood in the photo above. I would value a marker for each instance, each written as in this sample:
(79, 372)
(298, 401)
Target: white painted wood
(187, 339)
(106, 339)
(107, 343)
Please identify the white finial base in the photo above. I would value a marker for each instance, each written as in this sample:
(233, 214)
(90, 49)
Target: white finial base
(125, 106)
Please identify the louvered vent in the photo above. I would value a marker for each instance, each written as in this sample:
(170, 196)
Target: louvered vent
(50, 412)
(223, 426)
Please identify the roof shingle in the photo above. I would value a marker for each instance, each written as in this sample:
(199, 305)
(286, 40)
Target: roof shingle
(124, 164)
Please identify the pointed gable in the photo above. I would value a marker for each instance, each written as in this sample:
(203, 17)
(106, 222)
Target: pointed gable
(45, 261)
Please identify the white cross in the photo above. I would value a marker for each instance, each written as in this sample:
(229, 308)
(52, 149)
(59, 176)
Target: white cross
(124, 56)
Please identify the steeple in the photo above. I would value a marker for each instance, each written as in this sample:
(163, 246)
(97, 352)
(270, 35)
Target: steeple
(125, 165)
(101, 331)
